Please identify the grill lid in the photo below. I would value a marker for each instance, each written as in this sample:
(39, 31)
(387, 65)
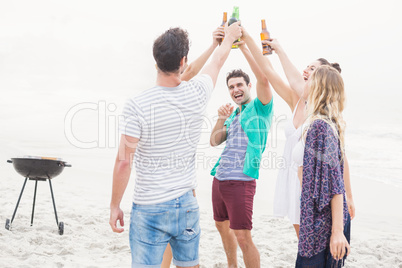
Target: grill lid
(41, 157)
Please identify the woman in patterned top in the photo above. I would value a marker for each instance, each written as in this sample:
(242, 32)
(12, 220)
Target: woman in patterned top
(324, 220)
(287, 188)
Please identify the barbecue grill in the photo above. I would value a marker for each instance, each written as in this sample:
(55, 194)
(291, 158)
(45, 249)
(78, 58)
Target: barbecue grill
(37, 169)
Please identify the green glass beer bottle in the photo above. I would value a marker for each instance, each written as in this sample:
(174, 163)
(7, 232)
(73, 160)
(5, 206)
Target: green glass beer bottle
(233, 19)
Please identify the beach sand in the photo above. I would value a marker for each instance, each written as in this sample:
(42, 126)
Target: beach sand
(82, 195)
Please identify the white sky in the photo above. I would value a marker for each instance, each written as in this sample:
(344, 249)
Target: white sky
(106, 45)
(65, 38)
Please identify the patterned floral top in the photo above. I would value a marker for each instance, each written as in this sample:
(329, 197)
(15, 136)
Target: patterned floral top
(322, 179)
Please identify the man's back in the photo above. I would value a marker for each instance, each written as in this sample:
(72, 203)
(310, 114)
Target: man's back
(167, 122)
(161, 129)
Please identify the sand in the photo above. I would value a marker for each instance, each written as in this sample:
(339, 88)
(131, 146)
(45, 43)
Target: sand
(82, 195)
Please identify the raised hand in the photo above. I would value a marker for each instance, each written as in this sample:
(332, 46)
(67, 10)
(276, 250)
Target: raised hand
(274, 44)
(233, 31)
(217, 35)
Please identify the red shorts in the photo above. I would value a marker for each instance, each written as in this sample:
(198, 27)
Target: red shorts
(233, 200)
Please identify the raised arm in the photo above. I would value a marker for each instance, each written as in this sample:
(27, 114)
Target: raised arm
(283, 89)
(121, 176)
(264, 93)
(293, 75)
(220, 55)
(194, 68)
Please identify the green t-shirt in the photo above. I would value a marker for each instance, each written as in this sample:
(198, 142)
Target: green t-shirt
(255, 119)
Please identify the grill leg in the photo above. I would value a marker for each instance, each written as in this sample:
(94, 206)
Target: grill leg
(54, 204)
(34, 199)
(19, 199)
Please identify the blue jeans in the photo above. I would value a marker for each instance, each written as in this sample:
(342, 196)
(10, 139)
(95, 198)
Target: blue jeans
(152, 227)
(324, 259)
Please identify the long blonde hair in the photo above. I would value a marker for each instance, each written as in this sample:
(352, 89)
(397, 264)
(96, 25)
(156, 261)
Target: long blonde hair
(326, 100)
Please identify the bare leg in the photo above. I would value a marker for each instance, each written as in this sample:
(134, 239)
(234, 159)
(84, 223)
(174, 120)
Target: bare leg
(297, 228)
(229, 242)
(167, 257)
(251, 256)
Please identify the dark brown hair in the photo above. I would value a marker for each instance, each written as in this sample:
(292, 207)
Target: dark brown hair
(238, 73)
(170, 48)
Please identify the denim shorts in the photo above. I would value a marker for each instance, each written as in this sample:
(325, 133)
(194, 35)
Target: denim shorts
(152, 227)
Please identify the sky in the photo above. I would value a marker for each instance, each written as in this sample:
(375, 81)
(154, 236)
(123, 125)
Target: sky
(104, 44)
(102, 50)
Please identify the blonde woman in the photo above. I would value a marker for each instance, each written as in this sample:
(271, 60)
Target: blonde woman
(324, 218)
(287, 192)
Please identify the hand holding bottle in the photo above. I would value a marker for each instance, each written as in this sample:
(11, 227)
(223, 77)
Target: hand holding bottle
(218, 35)
(274, 45)
(241, 44)
(245, 33)
(233, 32)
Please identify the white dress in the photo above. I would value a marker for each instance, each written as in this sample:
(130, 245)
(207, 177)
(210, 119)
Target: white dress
(287, 190)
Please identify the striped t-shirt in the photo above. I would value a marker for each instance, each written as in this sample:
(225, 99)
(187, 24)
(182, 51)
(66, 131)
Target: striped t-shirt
(233, 156)
(168, 123)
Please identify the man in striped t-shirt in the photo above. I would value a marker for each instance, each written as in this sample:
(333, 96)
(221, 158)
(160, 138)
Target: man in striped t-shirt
(162, 127)
(245, 131)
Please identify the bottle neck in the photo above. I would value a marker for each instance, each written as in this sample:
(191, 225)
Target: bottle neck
(235, 13)
(263, 25)
(225, 17)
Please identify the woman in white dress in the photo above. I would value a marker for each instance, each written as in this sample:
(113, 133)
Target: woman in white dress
(287, 192)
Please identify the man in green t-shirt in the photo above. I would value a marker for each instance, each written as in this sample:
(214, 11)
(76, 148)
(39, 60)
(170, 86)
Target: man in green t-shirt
(245, 131)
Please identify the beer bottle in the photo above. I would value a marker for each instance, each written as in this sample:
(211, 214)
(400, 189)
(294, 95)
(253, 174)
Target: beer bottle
(266, 49)
(224, 20)
(233, 19)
